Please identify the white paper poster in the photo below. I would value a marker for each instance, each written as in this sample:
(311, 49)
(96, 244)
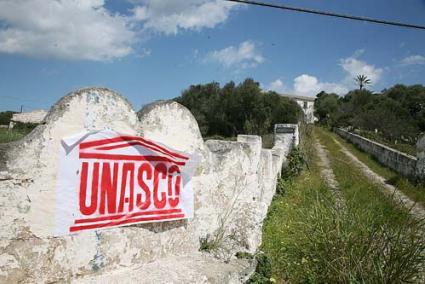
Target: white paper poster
(107, 179)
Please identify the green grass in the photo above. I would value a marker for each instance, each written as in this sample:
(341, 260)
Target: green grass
(286, 231)
(416, 192)
(367, 204)
(9, 135)
(310, 240)
(402, 147)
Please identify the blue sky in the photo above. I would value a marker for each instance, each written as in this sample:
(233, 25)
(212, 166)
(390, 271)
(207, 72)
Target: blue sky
(153, 49)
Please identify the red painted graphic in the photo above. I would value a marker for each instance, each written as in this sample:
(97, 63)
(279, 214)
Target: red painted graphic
(125, 180)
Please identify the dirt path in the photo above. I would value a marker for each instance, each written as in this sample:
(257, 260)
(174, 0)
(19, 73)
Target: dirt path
(327, 173)
(416, 209)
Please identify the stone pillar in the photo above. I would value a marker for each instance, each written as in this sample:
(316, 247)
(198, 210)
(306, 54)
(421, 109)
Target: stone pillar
(11, 124)
(283, 132)
(420, 154)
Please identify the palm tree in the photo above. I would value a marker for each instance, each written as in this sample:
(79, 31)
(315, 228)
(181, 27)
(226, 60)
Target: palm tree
(362, 81)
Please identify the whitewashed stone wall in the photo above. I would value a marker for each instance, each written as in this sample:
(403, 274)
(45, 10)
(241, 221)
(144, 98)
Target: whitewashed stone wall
(285, 139)
(234, 185)
(402, 163)
(36, 116)
(420, 155)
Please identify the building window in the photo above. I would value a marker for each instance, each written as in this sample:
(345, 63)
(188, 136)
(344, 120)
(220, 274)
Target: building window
(305, 105)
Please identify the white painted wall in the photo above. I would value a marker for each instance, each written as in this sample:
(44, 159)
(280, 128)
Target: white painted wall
(35, 116)
(308, 109)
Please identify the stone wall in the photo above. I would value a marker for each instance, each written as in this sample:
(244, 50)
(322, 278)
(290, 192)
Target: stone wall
(402, 163)
(36, 116)
(289, 129)
(233, 185)
(420, 154)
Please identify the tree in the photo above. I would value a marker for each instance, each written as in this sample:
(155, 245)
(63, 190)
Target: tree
(397, 113)
(389, 117)
(326, 107)
(233, 110)
(362, 81)
(412, 98)
(5, 117)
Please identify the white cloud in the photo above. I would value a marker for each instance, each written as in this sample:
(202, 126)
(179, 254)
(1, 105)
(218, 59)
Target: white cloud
(310, 85)
(413, 59)
(169, 17)
(354, 67)
(245, 55)
(307, 85)
(67, 29)
(87, 30)
(336, 88)
(277, 86)
(145, 52)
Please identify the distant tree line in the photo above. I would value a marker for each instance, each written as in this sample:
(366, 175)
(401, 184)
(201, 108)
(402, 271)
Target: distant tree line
(5, 117)
(237, 109)
(397, 113)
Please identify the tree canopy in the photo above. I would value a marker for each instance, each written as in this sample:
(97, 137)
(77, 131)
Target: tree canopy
(5, 117)
(237, 109)
(397, 112)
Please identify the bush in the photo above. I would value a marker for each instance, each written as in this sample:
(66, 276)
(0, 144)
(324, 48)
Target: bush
(280, 187)
(209, 243)
(263, 270)
(296, 164)
(257, 278)
(24, 127)
(5, 117)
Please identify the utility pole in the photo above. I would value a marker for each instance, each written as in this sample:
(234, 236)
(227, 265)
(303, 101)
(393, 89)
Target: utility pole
(22, 108)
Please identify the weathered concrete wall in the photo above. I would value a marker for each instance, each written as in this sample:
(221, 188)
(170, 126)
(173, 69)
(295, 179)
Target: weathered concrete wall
(233, 185)
(420, 154)
(400, 162)
(36, 116)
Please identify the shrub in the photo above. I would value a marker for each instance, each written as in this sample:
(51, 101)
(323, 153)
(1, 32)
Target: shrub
(24, 127)
(296, 164)
(209, 243)
(280, 187)
(263, 270)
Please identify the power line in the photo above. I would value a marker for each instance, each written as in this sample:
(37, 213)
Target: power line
(329, 14)
(20, 99)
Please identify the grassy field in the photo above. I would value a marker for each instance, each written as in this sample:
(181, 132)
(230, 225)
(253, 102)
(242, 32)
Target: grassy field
(310, 240)
(7, 135)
